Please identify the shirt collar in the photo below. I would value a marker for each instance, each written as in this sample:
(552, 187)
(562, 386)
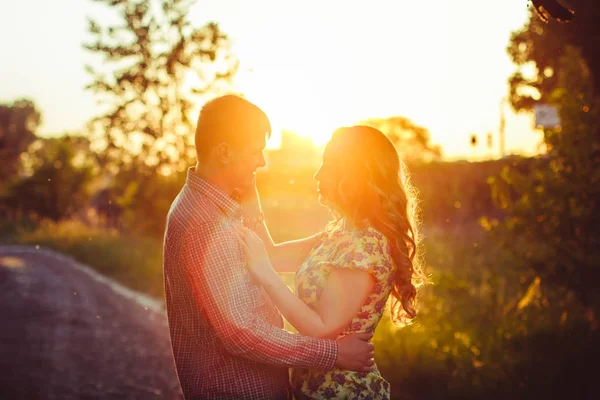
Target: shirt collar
(224, 202)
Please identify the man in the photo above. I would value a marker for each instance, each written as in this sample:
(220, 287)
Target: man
(226, 335)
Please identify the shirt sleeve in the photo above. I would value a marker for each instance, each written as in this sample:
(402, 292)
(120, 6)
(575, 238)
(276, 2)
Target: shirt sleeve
(215, 267)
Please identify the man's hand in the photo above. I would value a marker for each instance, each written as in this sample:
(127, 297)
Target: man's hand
(356, 352)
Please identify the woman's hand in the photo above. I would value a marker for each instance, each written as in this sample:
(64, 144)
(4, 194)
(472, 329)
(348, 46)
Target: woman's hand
(257, 257)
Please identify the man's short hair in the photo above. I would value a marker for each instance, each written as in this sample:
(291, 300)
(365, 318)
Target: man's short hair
(230, 119)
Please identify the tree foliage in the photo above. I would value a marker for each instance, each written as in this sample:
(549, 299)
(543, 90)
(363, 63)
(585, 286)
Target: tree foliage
(58, 184)
(538, 48)
(412, 141)
(140, 198)
(155, 67)
(18, 124)
(553, 214)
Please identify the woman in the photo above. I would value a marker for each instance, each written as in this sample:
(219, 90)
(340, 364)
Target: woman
(345, 275)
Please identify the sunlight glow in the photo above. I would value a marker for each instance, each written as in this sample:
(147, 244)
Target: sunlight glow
(314, 65)
(292, 102)
(312, 70)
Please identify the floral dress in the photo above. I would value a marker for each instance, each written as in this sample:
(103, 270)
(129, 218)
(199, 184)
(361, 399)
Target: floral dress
(365, 249)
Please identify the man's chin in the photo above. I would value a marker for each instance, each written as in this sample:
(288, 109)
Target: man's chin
(243, 186)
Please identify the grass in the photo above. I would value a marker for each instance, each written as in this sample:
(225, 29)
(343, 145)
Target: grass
(135, 261)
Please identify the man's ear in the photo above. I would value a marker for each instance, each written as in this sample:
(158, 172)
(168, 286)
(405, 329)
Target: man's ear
(223, 152)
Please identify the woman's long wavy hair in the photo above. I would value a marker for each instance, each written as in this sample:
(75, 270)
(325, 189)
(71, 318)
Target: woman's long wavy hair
(373, 187)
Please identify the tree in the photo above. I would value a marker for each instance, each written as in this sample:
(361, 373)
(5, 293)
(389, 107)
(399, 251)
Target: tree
(538, 48)
(155, 65)
(553, 215)
(141, 207)
(18, 124)
(411, 140)
(57, 186)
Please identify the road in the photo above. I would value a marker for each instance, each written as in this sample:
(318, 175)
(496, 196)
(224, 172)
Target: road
(67, 333)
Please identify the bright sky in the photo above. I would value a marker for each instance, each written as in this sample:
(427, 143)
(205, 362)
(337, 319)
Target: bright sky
(312, 65)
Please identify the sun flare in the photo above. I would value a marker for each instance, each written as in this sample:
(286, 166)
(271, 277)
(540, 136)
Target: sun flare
(293, 103)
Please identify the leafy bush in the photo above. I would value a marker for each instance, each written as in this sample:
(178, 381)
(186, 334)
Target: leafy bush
(135, 261)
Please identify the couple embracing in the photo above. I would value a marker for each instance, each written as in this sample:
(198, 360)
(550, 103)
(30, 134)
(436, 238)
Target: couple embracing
(225, 299)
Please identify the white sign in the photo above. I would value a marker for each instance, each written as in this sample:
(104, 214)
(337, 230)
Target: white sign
(546, 116)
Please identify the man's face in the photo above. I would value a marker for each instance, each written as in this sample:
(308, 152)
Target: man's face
(245, 160)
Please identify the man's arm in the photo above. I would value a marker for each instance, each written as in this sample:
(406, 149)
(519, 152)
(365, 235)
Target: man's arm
(222, 287)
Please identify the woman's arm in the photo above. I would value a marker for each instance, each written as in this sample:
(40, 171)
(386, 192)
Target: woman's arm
(345, 291)
(286, 256)
(342, 297)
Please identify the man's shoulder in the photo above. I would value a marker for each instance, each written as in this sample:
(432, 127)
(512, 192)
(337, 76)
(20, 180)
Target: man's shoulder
(192, 209)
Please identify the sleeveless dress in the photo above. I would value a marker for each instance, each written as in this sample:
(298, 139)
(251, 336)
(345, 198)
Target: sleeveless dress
(364, 249)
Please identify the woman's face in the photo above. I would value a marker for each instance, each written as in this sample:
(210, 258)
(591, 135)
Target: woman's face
(326, 178)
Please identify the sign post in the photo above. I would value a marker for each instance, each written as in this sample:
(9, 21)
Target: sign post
(546, 116)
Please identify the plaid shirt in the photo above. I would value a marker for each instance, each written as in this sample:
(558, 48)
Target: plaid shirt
(226, 334)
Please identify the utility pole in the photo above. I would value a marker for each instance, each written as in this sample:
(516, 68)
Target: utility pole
(502, 128)
(473, 140)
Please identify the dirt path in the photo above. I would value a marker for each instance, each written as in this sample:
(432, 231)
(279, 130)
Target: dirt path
(66, 333)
